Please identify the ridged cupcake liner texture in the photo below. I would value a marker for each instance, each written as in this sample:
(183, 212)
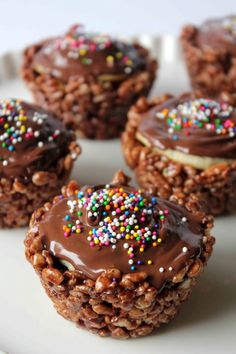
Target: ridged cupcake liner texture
(214, 186)
(98, 110)
(117, 304)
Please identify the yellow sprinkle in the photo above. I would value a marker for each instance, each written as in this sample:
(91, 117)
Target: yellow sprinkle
(141, 249)
(110, 59)
(136, 227)
(78, 231)
(82, 51)
(159, 240)
(129, 62)
(149, 261)
(127, 237)
(6, 126)
(119, 55)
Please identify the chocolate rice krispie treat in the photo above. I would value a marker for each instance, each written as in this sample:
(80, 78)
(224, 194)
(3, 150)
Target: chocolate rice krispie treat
(115, 260)
(88, 80)
(36, 157)
(210, 54)
(185, 144)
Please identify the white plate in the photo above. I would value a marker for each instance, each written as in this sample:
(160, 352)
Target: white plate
(28, 322)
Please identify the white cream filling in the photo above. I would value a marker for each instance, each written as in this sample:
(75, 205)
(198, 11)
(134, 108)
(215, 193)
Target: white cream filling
(199, 162)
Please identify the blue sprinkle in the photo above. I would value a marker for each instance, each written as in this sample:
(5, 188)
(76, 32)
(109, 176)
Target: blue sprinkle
(175, 137)
(154, 200)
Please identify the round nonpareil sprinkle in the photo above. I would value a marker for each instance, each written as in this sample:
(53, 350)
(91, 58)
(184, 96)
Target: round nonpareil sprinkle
(116, 214)
(81, 45)
(15, 127)
(200, 113)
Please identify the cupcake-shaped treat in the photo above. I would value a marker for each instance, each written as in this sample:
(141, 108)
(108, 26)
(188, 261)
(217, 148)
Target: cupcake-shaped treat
(36, 157)
(210, 54)
(115, 260)
(88, 80)
(187, 145)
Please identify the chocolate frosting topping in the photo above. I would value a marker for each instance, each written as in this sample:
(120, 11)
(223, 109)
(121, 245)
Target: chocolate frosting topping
(218, 33)
(31, 139)
(116, 226)
(203, 127)
(83, 54)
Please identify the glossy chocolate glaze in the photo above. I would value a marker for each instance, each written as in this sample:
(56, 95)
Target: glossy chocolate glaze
(190, 140)
(218, 33)
(35, 153)
(65, 57)
(180, 229)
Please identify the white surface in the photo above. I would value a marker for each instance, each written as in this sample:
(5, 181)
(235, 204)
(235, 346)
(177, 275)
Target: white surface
(30, 325)
(25, 21)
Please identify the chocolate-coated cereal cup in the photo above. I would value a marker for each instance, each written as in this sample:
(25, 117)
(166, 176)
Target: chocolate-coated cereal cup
(210, 54)
(115, 260)
(36, 157)
(88, 80)
(185, 144)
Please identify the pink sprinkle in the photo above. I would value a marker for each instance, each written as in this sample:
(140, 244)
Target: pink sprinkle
(92, 47)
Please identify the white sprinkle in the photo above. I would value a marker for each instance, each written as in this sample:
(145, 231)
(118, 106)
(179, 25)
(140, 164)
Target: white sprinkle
(127, 70)
(184, 219)
(131, 261)
(185, 249)
(5, 163)
(170, 269)
(161, 269)
(126, 245)
(40, 144)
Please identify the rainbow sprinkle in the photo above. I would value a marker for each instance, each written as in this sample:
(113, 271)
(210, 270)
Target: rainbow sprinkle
(81, 45)
(116, 214)
(16, 127)
(199, 114)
